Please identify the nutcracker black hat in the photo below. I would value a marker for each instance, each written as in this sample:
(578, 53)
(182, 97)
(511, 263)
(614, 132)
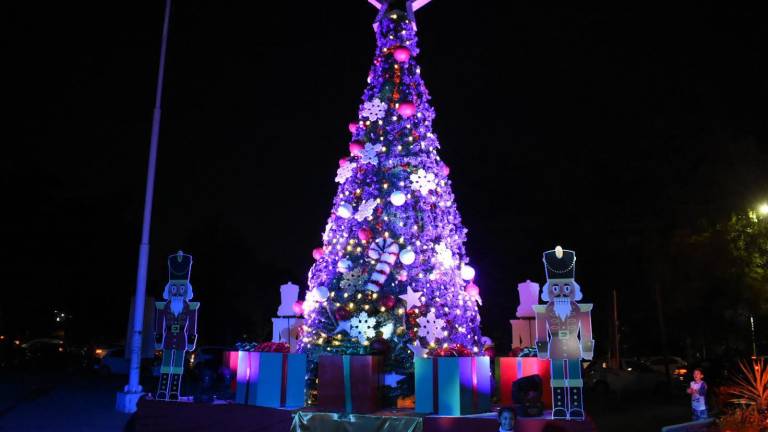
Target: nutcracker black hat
(179, 267)
(560, 263)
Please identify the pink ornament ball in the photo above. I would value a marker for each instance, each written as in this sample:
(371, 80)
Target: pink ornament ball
(355, 147)
(298, 307)
(446, 170)
(317, 253)
(402, 54)
(343, 161)
(472, 289)
(352, 127)
(406, 109)
(364, 234)
(402, 276)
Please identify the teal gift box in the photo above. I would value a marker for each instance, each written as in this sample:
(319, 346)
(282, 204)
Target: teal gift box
(453, 386)
(271, 379)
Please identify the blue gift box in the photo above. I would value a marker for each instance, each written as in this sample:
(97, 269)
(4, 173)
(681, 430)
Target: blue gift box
(271, 379)
(453, 385)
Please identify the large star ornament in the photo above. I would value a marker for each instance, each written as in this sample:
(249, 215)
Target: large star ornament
(343, 325)
(412, 298)
(418, 351)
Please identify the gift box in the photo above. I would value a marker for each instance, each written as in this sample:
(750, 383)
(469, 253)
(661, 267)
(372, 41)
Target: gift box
(271, 379)
(350, 383)
(510, 369)
(231, 359)
(453, 385)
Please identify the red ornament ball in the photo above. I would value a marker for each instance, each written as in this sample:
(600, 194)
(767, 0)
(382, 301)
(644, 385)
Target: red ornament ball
(343, 314)
(402, 54)
(364, 234)
(352, 127)
(317, 253)
(388, 301)
(355, 147)
(406, 109)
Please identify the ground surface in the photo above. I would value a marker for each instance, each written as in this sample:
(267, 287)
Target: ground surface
(85, 402)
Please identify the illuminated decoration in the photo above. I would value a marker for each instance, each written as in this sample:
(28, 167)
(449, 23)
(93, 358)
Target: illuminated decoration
(564, 332)
(397, 198)
(175, 325)
(344, 211)
(467, 272)
(394, 267)
(286, 325)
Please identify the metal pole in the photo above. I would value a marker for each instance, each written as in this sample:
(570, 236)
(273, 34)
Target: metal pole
(133, 387)
(616, 343)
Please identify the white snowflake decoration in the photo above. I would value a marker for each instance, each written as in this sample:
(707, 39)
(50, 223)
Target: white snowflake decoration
(361, 326)
(345, 172)
(374, 109)
(423, 181)
(368, 155)
(444, 255)
(365, 209)
(430, 327)
(352, 280)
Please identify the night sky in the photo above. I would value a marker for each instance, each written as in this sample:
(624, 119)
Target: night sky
(602, 130)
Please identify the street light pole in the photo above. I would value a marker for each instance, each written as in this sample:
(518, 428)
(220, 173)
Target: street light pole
(126, 400)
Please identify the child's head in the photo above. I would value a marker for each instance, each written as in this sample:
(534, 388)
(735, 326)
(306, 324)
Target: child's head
(506, 418)
(698, 374)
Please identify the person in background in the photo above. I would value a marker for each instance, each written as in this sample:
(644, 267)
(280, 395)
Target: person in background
(506, 419)
(698, 392)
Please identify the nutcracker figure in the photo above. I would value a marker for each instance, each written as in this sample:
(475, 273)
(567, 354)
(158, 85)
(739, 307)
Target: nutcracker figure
(175, 325)
(564, 332)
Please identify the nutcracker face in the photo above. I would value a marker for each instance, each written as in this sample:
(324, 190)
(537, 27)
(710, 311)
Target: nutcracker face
(562, 293)
(181, 290)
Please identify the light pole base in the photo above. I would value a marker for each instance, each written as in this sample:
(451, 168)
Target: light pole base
(126, 401)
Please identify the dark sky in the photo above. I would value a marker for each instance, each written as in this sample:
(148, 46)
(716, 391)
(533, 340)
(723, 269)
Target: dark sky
(591, 128)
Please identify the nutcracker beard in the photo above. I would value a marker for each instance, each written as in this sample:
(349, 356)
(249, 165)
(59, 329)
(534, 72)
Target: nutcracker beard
(562, 306)
(177, 305)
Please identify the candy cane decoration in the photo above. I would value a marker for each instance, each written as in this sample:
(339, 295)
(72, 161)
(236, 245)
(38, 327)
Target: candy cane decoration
(385, 251)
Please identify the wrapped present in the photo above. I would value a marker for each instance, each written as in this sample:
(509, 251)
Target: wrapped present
(230, 365)
(350, 383)
(453, 385)
(271, 379)
(510, 369)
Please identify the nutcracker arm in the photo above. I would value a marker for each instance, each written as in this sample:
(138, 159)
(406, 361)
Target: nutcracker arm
(159, 324)
(542, 331)
(585, 327)
(192, 326)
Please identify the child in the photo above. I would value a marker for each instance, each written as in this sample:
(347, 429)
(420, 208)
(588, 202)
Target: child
(698, 392)
(506, 419)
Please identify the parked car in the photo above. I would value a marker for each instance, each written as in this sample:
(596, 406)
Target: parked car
(677, 366)
(44, 352)
(633, 377)
(112, 360)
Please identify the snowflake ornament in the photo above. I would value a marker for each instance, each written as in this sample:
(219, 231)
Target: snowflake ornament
(431, 327)
(345, 172)
(361, 327)
(365, 209)
(423, 181)
(444, 255)
(368, 154)
(374, 109)
(352, 280)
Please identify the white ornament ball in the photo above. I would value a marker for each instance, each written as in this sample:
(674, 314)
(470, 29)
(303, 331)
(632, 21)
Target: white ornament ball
(467, 272)
(407, 256)
(397, 198)
(321, 292)
(344, 265)
(344, 210)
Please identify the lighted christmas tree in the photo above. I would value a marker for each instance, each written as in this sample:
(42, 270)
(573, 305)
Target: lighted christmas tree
(392, 276)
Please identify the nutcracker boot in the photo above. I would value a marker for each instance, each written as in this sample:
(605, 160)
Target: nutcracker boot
(559, 403)
(175, 387)
(576, 403)
(162, 387)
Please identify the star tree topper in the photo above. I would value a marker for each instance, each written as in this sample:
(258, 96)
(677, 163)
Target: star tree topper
(411, 6)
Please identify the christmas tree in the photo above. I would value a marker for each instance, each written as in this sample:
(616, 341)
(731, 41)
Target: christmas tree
(392, 276)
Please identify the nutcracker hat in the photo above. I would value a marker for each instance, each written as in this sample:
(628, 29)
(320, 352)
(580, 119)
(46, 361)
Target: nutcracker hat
(179, 267)
(560, 263)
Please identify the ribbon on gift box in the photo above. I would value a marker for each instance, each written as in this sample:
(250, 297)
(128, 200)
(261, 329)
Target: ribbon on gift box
(436, 386)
